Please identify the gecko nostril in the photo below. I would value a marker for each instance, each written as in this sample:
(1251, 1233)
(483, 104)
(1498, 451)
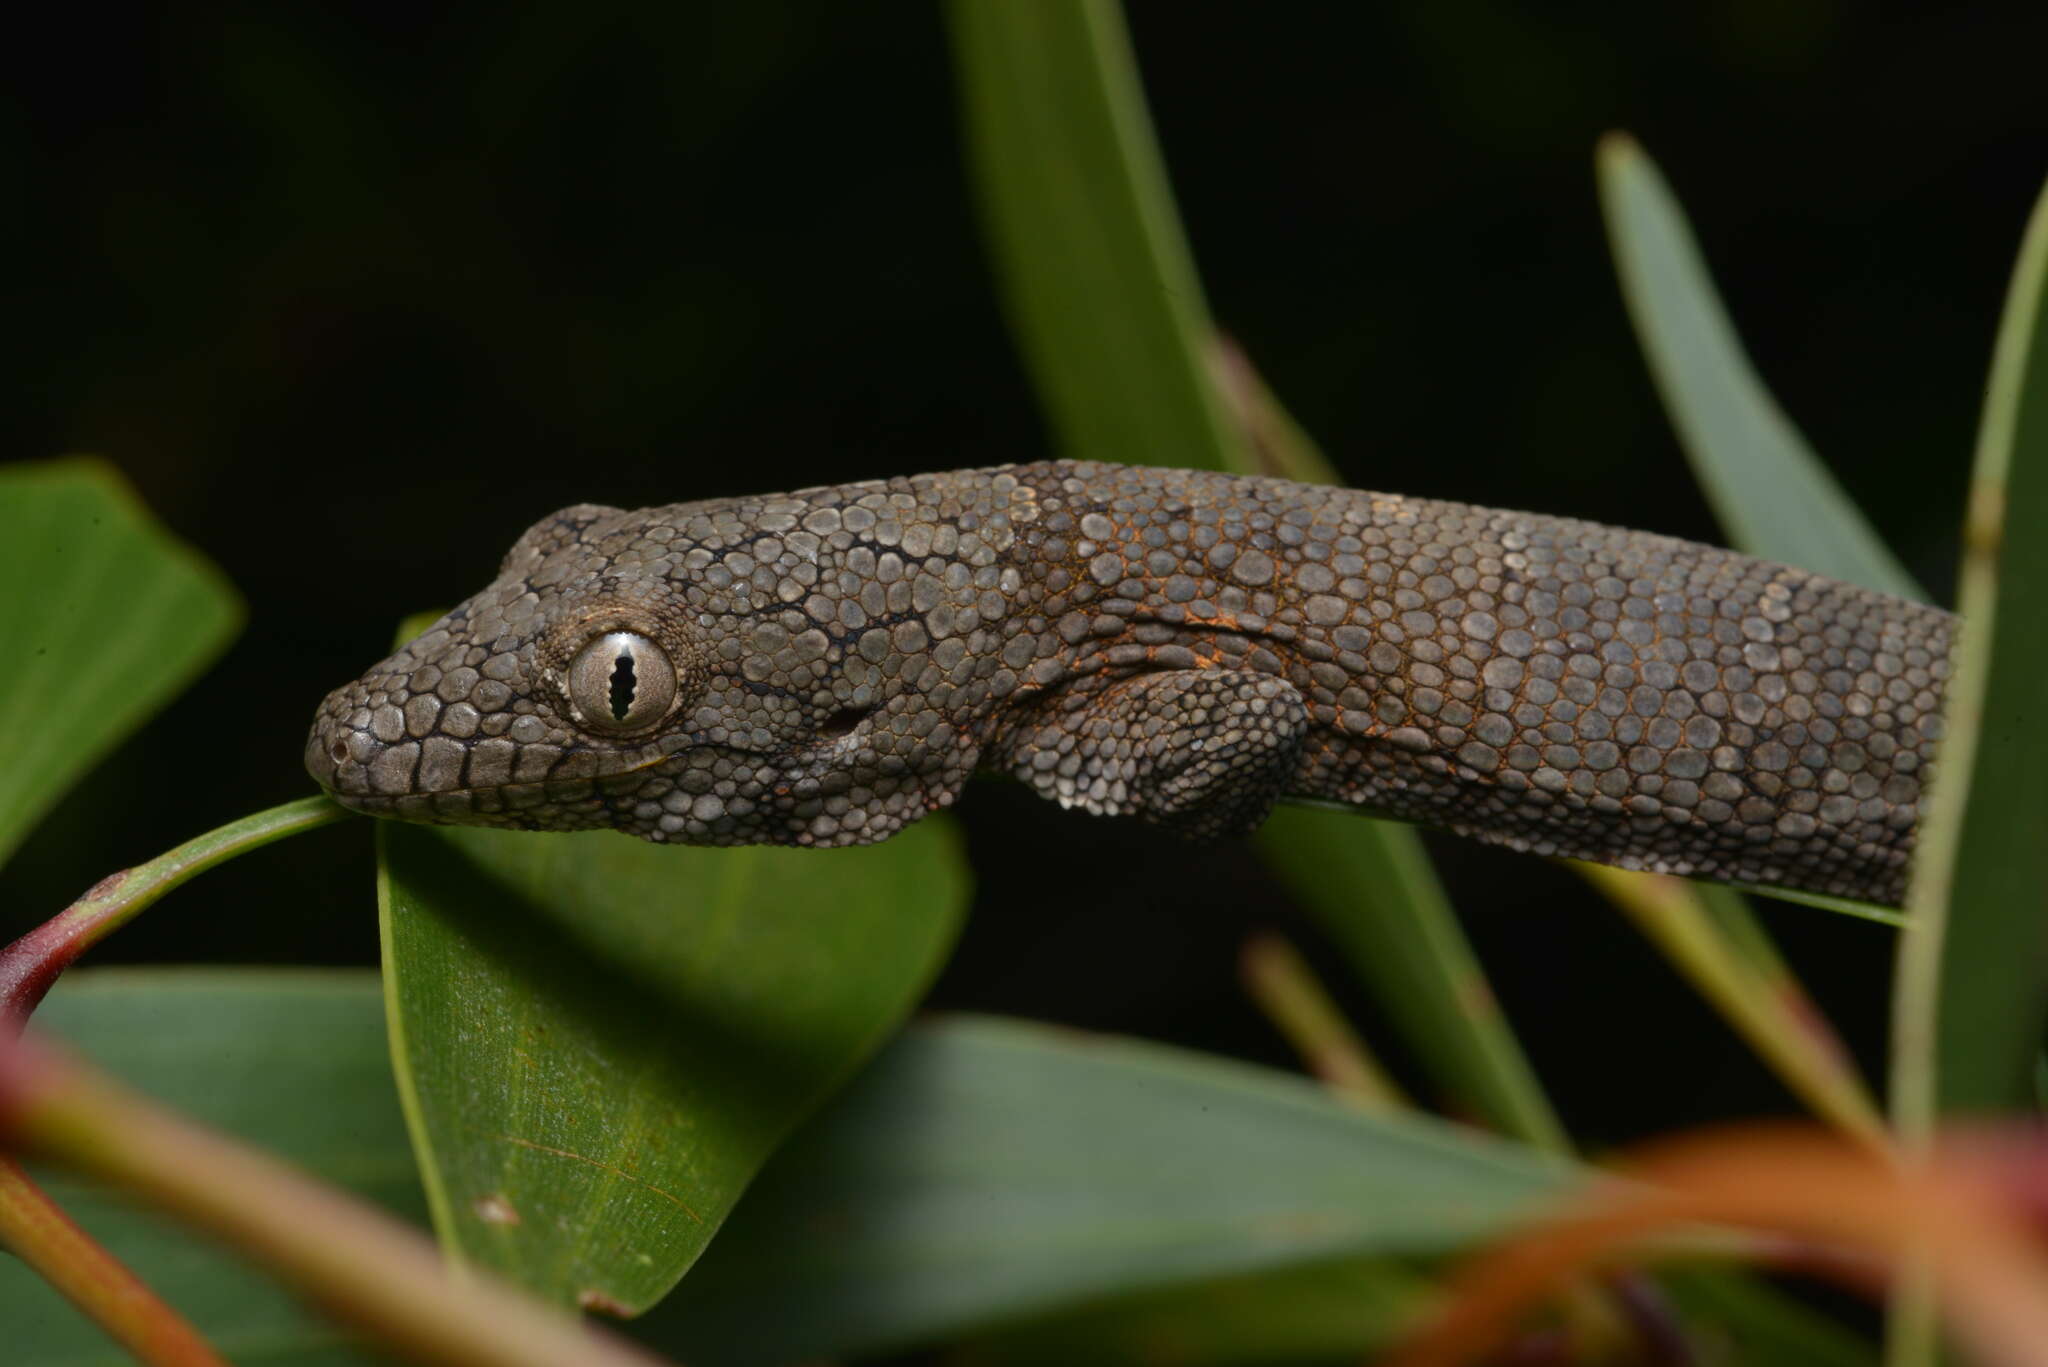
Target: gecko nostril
(842, 722)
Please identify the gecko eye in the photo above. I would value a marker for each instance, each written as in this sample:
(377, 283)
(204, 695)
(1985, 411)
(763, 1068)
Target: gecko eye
(622, 682)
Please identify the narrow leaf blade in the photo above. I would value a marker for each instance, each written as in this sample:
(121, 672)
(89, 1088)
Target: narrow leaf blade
(1973, 965)
(1102, 292)
(1770, 491)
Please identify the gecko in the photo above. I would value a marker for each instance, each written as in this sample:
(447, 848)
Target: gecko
(1188, 648)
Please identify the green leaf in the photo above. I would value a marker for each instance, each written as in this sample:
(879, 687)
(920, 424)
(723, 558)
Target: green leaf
(1101, 288)
(1771, 493)
(1973, 959)
(291, 1061)
(600, 1040)
(107, 616)
(988, 1170)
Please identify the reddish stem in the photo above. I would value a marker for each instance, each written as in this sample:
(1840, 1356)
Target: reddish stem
(37, 1231)
(33, 1226)
(30, 965)
(361, 1264)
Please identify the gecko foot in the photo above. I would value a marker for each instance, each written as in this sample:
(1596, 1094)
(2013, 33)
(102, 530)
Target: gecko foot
(1202, 752)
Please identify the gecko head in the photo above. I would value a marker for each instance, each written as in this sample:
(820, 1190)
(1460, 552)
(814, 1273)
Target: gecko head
(527, 703)
(616, 675)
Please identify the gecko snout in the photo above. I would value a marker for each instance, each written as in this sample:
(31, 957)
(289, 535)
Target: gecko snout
(346, 757)
(448, 744)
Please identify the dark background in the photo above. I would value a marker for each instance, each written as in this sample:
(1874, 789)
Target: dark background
(354, 297)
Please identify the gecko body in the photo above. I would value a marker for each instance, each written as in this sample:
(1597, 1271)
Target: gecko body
(823, 667)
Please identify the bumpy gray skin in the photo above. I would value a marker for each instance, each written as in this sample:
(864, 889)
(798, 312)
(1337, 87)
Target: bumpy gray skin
(1179, 646)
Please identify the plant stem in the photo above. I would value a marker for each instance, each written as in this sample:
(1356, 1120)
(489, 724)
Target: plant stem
(1912, 1315)
(33, 1226)
(1286, 989)
(363, 1266)
(32, 963)
(36, 1230)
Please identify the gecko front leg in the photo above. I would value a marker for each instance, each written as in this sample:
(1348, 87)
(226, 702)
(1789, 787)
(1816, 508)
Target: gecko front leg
(1202, 752)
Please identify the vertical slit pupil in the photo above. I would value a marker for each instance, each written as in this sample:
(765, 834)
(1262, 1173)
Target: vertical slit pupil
(623, 685)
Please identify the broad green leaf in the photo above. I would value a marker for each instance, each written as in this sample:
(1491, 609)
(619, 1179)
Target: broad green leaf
(291, 1061)
(1101, 288)
(106, 616)
(1770, 491)
(986, 1170)
(1108, 311)
(1973, 958)
(600, 1040)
